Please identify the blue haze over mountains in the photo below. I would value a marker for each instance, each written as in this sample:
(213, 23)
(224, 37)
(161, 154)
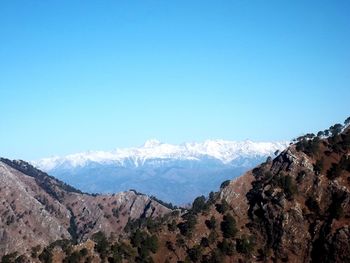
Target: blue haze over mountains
(175, 174)
(178, 182)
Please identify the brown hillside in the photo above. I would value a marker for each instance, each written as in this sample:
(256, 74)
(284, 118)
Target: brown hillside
(37, 209)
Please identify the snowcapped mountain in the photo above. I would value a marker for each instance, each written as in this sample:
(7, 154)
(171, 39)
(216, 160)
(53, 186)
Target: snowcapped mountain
(224, 151)
(160, 169)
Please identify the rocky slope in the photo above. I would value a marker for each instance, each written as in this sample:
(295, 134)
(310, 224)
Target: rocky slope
(37, 209)
(294, 208)
(299, 205)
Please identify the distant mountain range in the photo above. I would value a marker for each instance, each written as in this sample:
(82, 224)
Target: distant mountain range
(173, 173)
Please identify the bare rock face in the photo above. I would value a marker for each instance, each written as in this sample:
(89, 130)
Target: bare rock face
(235, 194)
(37, 209)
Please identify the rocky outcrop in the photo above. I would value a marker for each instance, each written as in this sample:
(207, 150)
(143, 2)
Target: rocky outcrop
(235, 195)
(37, 209)
(297, 210)
(110, 213)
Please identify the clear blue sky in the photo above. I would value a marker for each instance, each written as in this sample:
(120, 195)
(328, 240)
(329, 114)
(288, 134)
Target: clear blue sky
(81, 75)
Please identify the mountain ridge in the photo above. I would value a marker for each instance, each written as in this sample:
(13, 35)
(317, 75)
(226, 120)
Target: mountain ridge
(221, 150)
(37, 209)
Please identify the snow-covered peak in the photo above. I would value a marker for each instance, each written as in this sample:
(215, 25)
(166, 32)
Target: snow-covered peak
(221, 150)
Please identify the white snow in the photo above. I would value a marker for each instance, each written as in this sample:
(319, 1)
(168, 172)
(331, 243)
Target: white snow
(224, 151)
